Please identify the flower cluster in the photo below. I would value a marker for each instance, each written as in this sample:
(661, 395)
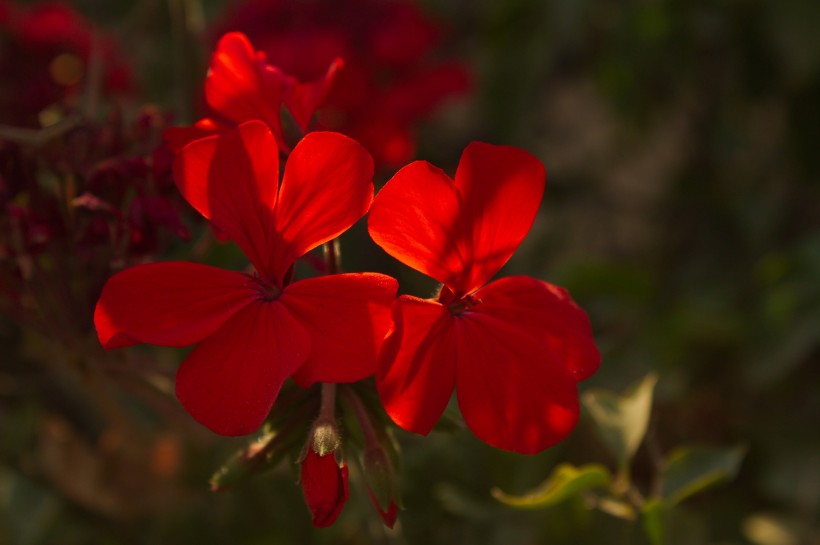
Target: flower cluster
(78, 199)
(513, 349)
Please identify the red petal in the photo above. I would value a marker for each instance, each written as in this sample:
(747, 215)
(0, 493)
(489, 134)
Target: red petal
(501, 189)
(388, 515)
(169, 304)
(417, 364)
(324, 484)
(416, 219)
(327, 186)
(460, 234)
(230, 380)
(305, 98)
(232, 179)
(520, 350)
(237, 88)
(347, 317)
(554, 317)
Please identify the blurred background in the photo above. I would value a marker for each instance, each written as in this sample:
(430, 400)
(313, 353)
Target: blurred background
(682, 211)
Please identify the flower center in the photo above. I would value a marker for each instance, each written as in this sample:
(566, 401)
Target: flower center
(459, 306)
(267, 291)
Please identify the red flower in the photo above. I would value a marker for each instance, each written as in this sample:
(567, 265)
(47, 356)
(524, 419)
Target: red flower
(324, 483)
(253, 332)
(242, 86)
(392, 78)
(513, 349)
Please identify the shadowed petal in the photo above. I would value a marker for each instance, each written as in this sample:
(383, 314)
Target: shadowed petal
(232, 179)
(304, 99)
(501, 189)
(230, 380)
(237, 89)
(416, 218)
(553, 315)
(520, 351)
(417, 365)
(327, 186)
(347, 317)
(169, 304)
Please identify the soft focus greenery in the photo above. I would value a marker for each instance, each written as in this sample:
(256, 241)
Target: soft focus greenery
(682, 146)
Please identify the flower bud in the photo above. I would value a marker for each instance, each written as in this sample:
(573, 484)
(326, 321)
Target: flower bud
(324, 483)
(378, 472)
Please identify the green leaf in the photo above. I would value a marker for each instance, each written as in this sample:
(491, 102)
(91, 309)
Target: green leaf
(264, 452)
(566, 481)
(622, 420)
(690, 470)
(653, 513)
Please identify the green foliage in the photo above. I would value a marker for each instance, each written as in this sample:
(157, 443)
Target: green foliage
(622, 420)
(691, 470)
(565, 482)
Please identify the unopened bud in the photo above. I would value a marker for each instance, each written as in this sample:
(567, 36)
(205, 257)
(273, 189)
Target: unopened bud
(324, 484)
(378, 473)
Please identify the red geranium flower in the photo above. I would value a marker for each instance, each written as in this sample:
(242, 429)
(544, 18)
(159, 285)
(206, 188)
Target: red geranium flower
(242, 86)
(513, 349)
(254, 331)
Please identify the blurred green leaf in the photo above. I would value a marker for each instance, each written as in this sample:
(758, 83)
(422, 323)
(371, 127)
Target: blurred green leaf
(265, 452)
(653, 513)
(566, 481)
(690, 470)
(27, 511)
(622, 420)
(615, 507)
(776, 529)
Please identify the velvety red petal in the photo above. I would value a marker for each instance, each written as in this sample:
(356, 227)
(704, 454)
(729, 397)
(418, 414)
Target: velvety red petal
(304, 99)
(236, 89)
(324, 484)
(520, 351)
(416, 219)
(232, 179)
(501, 189)
(327, 186)
(553, 315)
(347, 317)
(417, 364)
(231, 379)
(169, 304)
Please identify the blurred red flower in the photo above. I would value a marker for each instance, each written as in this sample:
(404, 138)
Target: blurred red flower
(242, 86)
(513, 349)
(391, 80)
(324, 484)
(253, 332)
(45, 52)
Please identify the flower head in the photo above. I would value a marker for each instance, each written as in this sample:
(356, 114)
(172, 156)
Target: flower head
(242, 86)
(254, 331)
(513, 349)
